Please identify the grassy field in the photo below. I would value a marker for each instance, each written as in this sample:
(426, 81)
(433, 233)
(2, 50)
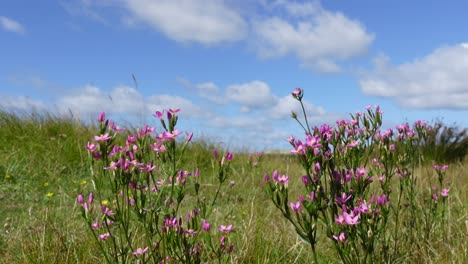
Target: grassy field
(44, 166)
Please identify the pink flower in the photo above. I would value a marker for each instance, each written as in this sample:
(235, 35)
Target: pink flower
(174, 110)
(312, 196)
(228, 156)
(90, 146)
(95, 225)
(305, 180)
(101, 117)
(215, 154)
(90, 198)
(225, 229)
(440, 168)
(189, 137)
(341, 237)
(351, 219)
(158, 147)
(382, 200)
(364, 207)
(340, 220)
(295, 206)
(159, 114)
(190, 232)
(361, 172)
(343, 199)
(205, 225)
(104, 137)
(112, 166)
(149, 167)
(140, 251)
(444, 192)
(232, 183)
(283, 179)
(80, 199)
(104, 236)
(106, 210)
(297, 93)
(313, 141)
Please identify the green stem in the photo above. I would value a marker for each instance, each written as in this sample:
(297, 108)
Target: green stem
(305, 117)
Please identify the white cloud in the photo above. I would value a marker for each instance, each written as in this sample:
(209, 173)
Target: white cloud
(252, 95)
(319, 38)
(21, 104)
(89, 100)
(285, 105)
(208, 22)
(11, 25)
(206, 90)
(437, 80)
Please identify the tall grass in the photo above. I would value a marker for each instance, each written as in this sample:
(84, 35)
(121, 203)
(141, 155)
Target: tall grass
(43, 166)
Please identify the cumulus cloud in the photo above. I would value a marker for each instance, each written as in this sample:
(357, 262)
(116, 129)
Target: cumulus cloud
(252, 95)
(437, 80)
(285, 105)
(319, 38)
(207, 22)
(11, 25)
(206, 90)
(21, 104)
(89, 100)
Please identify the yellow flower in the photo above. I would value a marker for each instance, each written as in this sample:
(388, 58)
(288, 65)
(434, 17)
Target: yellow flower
(105, 202)
(46, 184)
(83, 182)
(49, 194)
(8, 176)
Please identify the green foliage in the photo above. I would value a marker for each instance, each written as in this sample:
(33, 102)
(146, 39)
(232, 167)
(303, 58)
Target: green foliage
(445, 143)
(41, 154)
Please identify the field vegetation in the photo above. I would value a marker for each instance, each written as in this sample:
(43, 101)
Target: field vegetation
(47, 174)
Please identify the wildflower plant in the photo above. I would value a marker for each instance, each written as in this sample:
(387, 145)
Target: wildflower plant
(137, 211)
(359, 186)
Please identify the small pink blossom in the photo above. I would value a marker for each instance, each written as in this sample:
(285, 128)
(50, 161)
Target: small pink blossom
(102, 117)
(352, 218)
(190, 232)
(341, 237)
(112, 166)
(80, 199)
(95, 225)
(361, 172)
(189, 137)
(158, 147)
(283, 179)
(205, 225)
(159, 114)
(140, 251)
(104, 137)
(297, 93)
(444, 193)
(91, 147)
(440, 168)
(149, 167)
(225, 229)
(104, 236)
(295, 206)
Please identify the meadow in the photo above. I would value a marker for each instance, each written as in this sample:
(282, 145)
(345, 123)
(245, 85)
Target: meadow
(44, 167)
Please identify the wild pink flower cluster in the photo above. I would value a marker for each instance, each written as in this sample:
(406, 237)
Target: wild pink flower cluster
(444, 192)
(341, 163)
(143, 177)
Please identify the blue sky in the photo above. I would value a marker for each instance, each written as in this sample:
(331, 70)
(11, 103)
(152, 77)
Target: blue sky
(231, 65)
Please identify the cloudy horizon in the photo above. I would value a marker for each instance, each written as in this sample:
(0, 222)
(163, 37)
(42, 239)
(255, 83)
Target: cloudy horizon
(231, 65)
